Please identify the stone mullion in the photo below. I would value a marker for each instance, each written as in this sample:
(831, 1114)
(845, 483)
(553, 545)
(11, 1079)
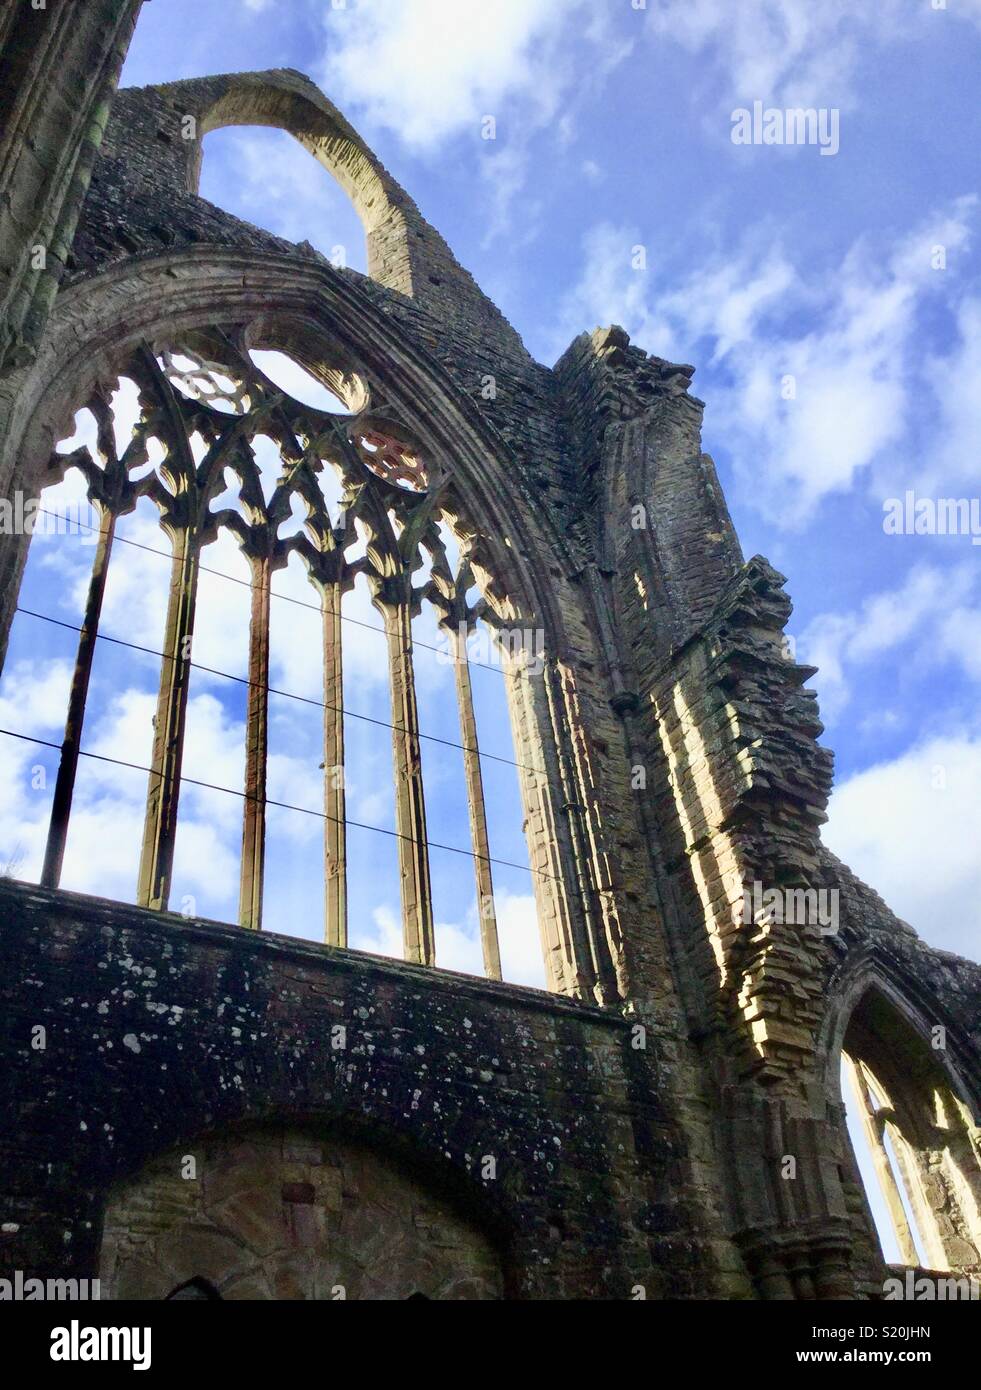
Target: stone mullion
(911, 1168)
(581, 923)
(163, 791)
(410, 804)
(335, 827)
(478, 811)
(550, 853)
(881, 1164)
(64, 791)
(256, 750)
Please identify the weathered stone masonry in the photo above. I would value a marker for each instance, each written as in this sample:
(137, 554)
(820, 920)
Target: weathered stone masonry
(639, 1117)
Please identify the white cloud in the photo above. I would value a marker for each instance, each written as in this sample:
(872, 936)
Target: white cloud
(938, 606)
(384, 937)
(610, 290)
(956, 382)
(521, 948)
(911, 827)
(107, 814)
(35, 697)
(805, 413)
(787, 52)
(505, 173)
(434, 68)
(922, 606)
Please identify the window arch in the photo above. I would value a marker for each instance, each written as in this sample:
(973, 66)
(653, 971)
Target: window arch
(288, 101)
(913, 1133)
(266, 177)
(348, 496)
(296, 305)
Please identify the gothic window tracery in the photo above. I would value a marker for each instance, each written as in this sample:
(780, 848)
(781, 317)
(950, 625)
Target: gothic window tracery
(356, 499)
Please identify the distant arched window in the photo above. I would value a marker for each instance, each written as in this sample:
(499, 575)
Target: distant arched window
(266, 177)
(917, 1145)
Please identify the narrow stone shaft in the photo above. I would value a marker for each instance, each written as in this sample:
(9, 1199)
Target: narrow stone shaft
(54, 853)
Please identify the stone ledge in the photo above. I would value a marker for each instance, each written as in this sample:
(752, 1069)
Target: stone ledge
(83, 907)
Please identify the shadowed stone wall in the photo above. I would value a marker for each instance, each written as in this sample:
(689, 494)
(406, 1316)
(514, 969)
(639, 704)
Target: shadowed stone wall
(279, 1214)
(533, 1118)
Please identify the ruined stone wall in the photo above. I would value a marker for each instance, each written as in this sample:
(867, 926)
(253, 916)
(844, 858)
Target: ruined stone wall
(159, 1033)
(732, 786)
(643, 1121)
(60, 66)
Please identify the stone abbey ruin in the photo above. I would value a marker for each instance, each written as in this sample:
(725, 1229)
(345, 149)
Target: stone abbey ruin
(196, 1106)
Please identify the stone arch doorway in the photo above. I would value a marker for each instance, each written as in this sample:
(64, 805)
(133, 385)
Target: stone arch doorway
(282, 1213)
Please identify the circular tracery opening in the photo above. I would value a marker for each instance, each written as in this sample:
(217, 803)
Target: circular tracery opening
(296, 357)
(389, 457)
(198, 378)
(286, 373)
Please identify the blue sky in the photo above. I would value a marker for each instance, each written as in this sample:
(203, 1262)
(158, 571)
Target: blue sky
(763, 263)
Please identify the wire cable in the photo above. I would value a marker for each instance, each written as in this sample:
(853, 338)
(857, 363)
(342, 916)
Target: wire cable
(287, 806)
(287, 598)
(284, 694)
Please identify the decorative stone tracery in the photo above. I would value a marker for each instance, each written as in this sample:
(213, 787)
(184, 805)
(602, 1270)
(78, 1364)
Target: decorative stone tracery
(206, 388)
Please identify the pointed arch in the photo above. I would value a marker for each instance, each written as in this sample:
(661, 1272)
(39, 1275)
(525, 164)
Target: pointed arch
(331, 320)
(914, 1111)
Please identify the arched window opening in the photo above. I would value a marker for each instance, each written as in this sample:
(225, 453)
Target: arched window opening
(275, 654)
(37, 673)
(895, 1222)
(292, 889)
(286, 373)
(916, 1145)
(266, 177)
(459, 942)
(490, 672)
(493, 930)
(108, 797)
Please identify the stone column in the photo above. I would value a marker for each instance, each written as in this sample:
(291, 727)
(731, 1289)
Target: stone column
(335, 805)
(477, 808)
(410, 801)
(54, 853)
(256, 750)
(60, 68)
(163, 792)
